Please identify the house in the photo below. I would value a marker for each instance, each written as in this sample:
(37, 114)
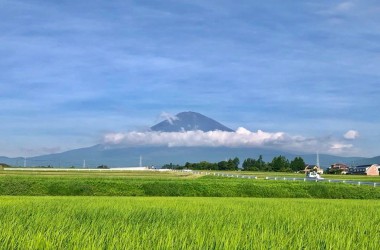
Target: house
(312, 168)
(338, 168)
(365, 169)
(3, 165)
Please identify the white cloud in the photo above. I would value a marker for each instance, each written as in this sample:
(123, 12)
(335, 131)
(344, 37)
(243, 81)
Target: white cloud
(240, 138)
(351, 135)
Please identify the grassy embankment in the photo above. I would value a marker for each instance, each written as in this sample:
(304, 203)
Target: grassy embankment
(170, 184)
(187, 223)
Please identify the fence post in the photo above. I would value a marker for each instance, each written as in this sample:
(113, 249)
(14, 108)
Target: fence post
(374, 184)
(359, 183)
(304, 179)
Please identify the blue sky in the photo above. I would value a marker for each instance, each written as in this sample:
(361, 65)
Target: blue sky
(73, 71)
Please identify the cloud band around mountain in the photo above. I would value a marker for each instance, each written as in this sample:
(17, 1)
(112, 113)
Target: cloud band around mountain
(240, 138)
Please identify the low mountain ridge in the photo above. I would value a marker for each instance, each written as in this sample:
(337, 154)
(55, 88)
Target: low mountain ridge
(101, 154)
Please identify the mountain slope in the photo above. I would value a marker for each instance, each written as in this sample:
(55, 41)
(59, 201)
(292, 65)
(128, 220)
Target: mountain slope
(158, 156)
(188, 121)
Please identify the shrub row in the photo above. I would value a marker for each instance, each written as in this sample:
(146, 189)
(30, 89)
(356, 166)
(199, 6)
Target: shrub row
(202, 187)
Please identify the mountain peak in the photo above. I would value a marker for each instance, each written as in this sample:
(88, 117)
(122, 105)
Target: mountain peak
(189, 121)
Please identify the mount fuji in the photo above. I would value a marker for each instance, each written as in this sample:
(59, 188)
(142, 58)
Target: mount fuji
(189, 121)
(120, 155)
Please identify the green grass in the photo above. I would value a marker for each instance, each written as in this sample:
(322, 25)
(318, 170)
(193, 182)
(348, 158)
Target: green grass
(187, 223)
(171, 184)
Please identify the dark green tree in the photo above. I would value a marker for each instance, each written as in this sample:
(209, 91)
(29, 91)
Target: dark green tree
(101, 167)
(222, 165)
(260, 164)
(236, 162)
(249, 165)
(297, 164)
(280, 164)
(230, 164)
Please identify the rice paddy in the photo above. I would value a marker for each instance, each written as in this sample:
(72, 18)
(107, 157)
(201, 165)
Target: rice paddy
(97, 211)
(187, 223)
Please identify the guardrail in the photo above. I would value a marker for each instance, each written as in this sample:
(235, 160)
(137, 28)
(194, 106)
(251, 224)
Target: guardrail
(228, 175)
(367, 183)
(219, 174)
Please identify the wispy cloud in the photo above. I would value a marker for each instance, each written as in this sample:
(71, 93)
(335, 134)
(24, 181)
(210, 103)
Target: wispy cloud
(169, 117)
(344, 6)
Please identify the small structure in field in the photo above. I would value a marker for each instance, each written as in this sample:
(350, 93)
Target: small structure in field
(312, 168)
(3, 165)
(366, 169)
(338, 168)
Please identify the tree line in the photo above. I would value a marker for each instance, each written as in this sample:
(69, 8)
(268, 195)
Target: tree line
(278, 164)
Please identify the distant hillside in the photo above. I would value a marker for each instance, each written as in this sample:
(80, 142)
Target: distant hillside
(188, 121)
(114, 156)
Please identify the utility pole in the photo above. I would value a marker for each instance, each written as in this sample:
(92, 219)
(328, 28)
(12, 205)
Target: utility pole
(140, 161)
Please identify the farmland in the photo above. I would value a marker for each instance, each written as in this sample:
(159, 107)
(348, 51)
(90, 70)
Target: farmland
(129, 183)
(176, 210)
(187, 223)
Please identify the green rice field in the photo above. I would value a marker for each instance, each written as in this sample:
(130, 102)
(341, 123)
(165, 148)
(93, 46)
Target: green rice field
(176, 210)
(150, 183)
(187, 223)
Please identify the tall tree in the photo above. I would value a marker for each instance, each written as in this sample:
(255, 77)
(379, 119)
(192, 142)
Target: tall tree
(260, 164)
(249, 165)
(297, 164)
(236, 162)
(280, 163)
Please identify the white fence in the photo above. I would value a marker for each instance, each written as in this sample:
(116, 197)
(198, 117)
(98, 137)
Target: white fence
(367, 183)
(219, 174)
